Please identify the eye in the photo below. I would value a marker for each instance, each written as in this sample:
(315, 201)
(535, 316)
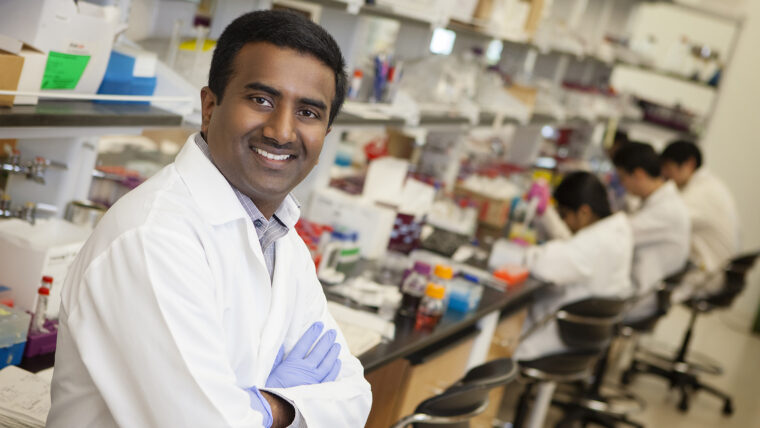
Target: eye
(308, 113)
(262, 101)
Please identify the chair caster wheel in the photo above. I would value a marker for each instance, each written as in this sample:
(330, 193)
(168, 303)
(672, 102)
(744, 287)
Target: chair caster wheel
(728, 408)
(683, 405)
(625, 378)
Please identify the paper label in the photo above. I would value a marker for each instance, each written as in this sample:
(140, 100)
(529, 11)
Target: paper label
(63, 71)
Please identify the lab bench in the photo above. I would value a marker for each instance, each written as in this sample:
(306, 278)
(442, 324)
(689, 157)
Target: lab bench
(416, 365)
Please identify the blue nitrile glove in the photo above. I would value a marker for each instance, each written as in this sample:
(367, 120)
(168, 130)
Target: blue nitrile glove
(261, 405)
(298, 368)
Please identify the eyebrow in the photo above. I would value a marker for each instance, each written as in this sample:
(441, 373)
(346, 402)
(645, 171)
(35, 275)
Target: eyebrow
(275, 93)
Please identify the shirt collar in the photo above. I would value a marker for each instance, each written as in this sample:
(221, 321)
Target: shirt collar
(666, 191)
(287, 213)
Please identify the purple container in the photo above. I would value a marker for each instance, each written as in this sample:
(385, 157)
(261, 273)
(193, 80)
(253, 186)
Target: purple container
(41, 344)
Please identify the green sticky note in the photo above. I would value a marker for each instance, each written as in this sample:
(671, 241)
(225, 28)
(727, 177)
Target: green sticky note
(63, 71)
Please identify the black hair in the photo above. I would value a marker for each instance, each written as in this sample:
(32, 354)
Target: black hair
(283, 29)
(621, 137)
(680, 151)
(583, 188)
(634, 155)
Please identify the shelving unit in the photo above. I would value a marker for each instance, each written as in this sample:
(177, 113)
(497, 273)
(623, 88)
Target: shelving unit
(79, 123)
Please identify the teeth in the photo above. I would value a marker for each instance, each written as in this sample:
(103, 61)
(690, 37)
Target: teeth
(270, 155)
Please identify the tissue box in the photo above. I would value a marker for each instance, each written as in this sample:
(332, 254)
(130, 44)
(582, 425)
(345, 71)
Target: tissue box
(14, 325)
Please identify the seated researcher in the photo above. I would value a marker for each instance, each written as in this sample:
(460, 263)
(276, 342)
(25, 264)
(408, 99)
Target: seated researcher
(661, 225)
(712, 210)
(595, 261)
(194, 303)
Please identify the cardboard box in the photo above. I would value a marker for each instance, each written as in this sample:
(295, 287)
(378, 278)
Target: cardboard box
(400, 145)
(76, 37)
(491, 212)
(526, 94)
(31, 72)
(10, 73)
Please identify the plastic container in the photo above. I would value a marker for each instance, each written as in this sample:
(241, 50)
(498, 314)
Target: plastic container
(464, 293)
(442, 275)
(331, 268)
(42, 343)
(43, 294)
(413, 288)
(14, 325)
(512, 275)
(431, 307)
(6, 296)
(349, 257)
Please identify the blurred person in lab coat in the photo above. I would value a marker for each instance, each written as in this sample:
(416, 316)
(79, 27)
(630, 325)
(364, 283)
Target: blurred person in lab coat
(590, 258)
(195, 303)
(712, 210)
(661, 225)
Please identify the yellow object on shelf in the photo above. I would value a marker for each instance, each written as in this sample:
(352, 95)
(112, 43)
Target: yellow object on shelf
(189, 45)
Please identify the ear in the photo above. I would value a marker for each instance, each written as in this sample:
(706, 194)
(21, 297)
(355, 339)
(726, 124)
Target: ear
(692, 164)
(639, 174)
(208, 104)
(585, 211)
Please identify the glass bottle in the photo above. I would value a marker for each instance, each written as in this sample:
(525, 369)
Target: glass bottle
(431, 307)
(413, 288)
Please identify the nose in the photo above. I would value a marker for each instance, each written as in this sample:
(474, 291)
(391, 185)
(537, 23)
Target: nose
(280, 126)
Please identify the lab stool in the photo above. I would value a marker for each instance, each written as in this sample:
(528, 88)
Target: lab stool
(611, 405)
(464, 400)
(586, 327)
(682, 373)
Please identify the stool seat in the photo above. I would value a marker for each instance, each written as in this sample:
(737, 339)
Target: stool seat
(611, 400)
(562, 363)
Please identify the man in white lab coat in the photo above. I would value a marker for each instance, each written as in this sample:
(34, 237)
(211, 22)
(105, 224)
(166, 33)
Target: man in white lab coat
(595, 261)
(195, 303)
(661, 225)
(712, 210)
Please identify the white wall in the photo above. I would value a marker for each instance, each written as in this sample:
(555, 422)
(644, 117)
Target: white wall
(732, 145)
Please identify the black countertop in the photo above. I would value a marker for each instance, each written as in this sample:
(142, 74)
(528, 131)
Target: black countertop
(408, 342)
(86, 113)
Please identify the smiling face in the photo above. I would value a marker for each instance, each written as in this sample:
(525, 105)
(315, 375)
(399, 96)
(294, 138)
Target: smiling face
(266, 134)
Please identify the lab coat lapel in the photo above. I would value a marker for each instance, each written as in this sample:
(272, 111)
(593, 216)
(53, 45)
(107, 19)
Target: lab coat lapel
(213, 193)
(210, 190)
(283, 290)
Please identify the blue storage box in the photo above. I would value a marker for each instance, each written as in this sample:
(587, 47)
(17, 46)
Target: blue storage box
(14, 326)
(120, 80)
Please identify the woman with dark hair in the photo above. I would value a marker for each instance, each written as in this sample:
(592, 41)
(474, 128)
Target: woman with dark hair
(595, 261)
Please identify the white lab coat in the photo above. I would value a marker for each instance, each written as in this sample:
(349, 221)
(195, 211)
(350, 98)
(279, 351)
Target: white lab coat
(168, 313)
(661, 229)
(595, 262)
(714, 231)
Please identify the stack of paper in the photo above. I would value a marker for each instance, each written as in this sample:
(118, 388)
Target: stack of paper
(24, 399)
(362, 330)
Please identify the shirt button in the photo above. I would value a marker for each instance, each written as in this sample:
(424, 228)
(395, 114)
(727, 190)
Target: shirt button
(257, 223)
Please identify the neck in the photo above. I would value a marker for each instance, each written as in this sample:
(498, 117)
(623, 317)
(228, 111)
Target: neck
(651, 186)
(267, 208)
